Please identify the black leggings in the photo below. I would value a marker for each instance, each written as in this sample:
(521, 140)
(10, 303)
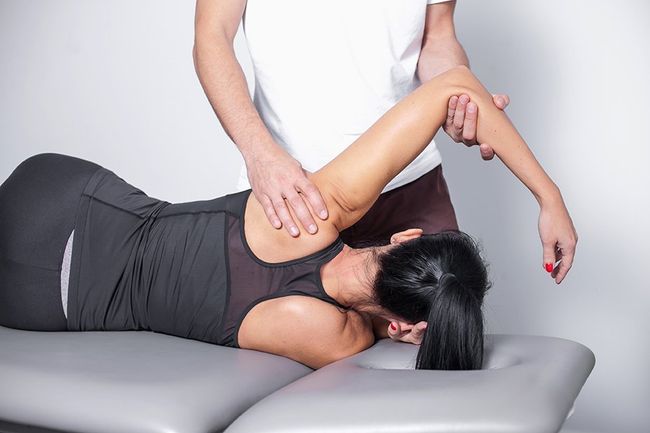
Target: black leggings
(38, 207)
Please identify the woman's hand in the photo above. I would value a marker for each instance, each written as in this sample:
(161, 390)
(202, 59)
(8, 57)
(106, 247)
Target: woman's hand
(558, 237)
(407, 333)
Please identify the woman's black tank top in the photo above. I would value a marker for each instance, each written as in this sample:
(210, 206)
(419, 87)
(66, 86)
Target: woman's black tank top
(184, 269)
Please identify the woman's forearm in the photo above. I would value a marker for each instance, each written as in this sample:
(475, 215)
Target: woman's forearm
(495, 127)
(356, 177)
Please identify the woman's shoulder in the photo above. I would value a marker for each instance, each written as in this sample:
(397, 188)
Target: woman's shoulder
(277, 245)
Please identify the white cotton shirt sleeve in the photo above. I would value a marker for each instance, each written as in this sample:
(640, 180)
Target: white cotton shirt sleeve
(326, 71)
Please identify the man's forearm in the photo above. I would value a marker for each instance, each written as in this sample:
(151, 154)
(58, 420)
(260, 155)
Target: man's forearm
(225, 86)
(440, 54)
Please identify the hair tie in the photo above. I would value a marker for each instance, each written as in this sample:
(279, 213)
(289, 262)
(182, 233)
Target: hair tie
(446, 275)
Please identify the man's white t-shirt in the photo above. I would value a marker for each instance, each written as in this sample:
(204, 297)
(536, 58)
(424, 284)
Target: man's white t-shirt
(326, 71)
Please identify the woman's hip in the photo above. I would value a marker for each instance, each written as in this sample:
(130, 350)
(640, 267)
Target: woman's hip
(38, 208)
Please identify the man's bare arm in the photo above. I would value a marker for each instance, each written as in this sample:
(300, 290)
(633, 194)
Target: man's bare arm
(221, 75)
(440, 52)
(273, 173)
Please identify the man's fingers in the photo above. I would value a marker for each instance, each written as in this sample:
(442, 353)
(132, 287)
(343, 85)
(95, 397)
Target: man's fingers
(269, 210)
(451, 110)
(469, 125)
(314, 198)
(501, 101)
(459, 115)
(301, 211)
(285, 217)
(487, 153)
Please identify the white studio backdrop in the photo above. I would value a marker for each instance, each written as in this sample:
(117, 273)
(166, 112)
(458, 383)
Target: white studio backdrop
(114, 82)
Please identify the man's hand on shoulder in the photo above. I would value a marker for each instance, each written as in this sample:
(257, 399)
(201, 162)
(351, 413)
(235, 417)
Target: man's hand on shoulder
(276, 177)
(462, 116)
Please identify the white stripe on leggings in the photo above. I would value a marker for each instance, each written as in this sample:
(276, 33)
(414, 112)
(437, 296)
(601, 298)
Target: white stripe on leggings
(65, 273)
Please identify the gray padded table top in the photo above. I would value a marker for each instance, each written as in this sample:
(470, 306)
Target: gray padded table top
(119, 382)
(114, 382)
(528, 384)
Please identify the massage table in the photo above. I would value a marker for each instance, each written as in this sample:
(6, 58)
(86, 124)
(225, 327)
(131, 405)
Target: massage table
(146, 382)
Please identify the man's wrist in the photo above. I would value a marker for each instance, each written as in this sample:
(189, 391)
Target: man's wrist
(261, 149)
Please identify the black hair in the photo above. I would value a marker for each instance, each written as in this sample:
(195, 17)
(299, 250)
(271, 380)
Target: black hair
(442, 280)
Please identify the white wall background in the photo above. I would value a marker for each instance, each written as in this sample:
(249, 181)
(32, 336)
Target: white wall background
(114, 82)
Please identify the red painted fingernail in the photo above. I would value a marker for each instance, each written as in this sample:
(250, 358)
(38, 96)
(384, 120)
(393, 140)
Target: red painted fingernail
(393, 327)
(549, 267)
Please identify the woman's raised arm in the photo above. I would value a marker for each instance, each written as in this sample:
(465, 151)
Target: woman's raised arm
(352, 181)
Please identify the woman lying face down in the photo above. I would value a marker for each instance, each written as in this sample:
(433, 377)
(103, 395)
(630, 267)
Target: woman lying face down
(216, 271)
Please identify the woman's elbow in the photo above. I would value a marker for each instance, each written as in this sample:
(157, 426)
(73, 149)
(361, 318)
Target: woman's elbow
(462, 81)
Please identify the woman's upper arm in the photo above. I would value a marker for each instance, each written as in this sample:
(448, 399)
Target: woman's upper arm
(353, 180)
(310, 331)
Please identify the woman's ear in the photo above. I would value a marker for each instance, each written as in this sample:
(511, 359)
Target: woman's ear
(405, 235)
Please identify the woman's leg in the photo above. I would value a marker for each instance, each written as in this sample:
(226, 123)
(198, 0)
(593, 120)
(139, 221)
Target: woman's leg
(38, 206)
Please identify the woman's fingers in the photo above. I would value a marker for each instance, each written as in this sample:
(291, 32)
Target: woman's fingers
(549, 255)
(407, 333)
(417, 333)
(566, 262)
(397, 330)
(558, 260)
(394, 330)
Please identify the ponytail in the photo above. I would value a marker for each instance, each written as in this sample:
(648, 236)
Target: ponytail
(442, 279)
(454, 338)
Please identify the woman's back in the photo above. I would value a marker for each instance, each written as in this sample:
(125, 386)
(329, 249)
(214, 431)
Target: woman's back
(143, 263)
(140, 263)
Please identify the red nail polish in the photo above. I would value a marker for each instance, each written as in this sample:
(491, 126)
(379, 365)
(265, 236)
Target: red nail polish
(393, 327)
(549, 267)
